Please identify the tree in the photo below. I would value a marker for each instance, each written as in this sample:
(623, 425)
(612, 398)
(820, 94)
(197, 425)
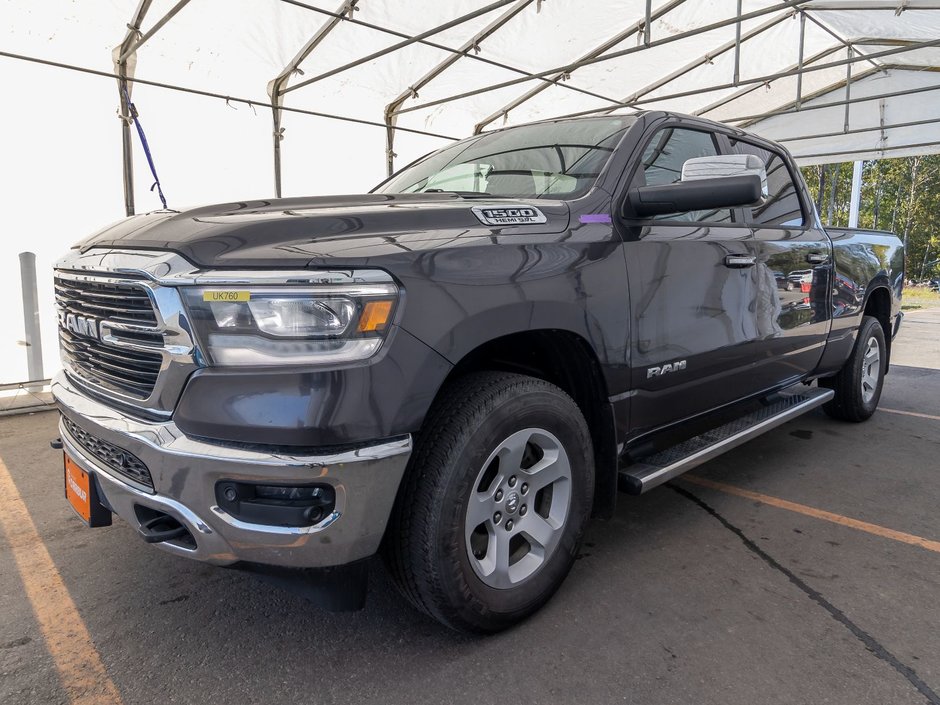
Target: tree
(901, 195)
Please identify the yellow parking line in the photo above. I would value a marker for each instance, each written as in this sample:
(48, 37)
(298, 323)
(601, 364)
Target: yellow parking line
(911, 413)
(882, 531)
(81, 672)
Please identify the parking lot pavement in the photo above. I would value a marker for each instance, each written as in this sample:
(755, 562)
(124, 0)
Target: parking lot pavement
(711, 590)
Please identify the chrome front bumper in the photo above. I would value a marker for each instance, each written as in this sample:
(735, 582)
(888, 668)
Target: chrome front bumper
(185, 472)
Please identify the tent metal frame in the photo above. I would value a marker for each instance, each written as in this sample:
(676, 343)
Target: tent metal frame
(502, 13)
(575, 65)
(277, 84)
(426, 42)
(125, 63)
(472, 44)
(759, 81)
(642, 25)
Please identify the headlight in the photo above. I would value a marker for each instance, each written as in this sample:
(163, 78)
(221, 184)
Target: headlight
(283, 325)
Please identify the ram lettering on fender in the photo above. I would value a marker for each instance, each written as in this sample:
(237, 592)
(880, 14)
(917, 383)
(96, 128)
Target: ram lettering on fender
(656, 371)
(522, 215)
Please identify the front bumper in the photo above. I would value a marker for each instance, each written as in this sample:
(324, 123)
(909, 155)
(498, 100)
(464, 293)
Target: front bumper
(185, 472)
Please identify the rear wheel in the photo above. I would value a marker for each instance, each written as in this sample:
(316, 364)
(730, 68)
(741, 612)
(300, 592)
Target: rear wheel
(498, 492)
(858, 384)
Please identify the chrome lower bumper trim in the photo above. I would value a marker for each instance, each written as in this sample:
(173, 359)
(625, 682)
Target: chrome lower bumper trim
(186, 470)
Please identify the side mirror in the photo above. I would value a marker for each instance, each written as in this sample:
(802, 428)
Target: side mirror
(695, 195)
(724, 166)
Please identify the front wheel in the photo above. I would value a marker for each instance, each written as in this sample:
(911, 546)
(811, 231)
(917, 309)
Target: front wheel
(497, 494)
(858, 384)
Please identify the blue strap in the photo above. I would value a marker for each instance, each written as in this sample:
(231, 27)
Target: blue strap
(132, 110)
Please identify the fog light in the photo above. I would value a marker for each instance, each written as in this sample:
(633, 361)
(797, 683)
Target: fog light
(287, 493)
(276, 505)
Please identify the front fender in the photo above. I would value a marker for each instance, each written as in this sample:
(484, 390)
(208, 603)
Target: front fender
(457, 300)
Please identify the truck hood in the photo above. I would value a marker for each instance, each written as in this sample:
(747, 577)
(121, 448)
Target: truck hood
(322, 230)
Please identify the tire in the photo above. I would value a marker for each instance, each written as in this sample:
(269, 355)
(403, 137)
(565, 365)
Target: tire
(859, 383)
(465, 574)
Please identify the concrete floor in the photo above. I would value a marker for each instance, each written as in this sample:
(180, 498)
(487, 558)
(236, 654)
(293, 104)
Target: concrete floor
(690, 595)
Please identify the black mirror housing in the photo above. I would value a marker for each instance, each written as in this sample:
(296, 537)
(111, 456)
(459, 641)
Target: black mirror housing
(699, 194)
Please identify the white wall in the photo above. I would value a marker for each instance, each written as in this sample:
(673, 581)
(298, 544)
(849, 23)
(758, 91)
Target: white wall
(60, 170)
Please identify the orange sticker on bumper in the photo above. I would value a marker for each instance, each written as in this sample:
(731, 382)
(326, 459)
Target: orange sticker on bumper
(78, 489)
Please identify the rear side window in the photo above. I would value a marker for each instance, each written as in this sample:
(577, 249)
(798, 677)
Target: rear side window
(662, 164)
(782, 205)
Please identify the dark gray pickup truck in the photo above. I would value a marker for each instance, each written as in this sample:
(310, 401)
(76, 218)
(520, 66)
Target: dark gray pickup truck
(461, 367)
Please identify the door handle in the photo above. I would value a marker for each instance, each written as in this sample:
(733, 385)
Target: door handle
(740, 261)
(817, 257)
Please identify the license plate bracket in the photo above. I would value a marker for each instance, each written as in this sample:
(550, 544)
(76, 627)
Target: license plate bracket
(81, 490)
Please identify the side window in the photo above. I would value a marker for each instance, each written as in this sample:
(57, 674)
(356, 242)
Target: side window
(782, 205)
(662, 164)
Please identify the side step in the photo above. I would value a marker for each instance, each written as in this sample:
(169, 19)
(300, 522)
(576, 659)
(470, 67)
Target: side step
(661, 467)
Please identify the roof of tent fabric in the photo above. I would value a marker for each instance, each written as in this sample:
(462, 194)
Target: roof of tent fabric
(834, 79)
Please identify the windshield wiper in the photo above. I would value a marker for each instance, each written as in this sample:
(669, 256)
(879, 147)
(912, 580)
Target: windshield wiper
(462, 194)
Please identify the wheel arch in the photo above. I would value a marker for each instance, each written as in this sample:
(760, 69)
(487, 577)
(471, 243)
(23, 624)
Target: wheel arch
(878, 304)
(568, 361)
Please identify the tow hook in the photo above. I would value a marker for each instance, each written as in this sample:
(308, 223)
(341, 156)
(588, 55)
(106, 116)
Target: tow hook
(162, 528)
(56, 444)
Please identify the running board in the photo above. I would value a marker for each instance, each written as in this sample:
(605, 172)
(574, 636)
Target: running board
(654, 470)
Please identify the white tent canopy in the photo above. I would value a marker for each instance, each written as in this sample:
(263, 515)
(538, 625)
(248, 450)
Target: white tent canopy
(249, 98)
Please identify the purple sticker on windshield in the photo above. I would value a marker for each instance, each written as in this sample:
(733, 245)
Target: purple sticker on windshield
(595, 218)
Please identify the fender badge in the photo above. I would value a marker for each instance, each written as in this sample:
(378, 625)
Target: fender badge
(523, 215)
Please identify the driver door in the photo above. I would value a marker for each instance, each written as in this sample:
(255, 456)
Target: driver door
(697, 294)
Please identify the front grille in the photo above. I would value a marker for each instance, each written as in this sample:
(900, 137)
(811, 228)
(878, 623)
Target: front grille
(122, 462)
(110, 367)
(122, 303)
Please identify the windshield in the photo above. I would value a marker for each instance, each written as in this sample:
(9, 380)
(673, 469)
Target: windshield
(546, 160)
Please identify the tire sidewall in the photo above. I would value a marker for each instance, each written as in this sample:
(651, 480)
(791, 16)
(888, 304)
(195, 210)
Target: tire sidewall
(544, 409)
(871, 328)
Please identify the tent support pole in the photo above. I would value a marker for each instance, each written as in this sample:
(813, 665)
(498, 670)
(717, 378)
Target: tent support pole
(841, 40)
(435, 45)
(856, 194)
(127, 158)
(848, 88)
(755, 83)
(472, 44)
(788, 109)
(31, 316)
(568, 68)
(276, 85)
(125, 63)
(134, 46)
(402, 44)
(592, 55)
(797, 68)
(692, 65)
(880, 127)
(648, 20)
(737, 45)
(799, 62)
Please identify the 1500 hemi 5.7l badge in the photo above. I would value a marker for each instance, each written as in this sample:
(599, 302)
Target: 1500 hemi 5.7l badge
(523, 215)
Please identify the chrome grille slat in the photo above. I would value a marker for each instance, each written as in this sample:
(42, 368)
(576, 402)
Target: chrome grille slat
(127, 364)
(124, 374)
(133, 302)
(77, 344)
(103, 363)
(120, 302)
